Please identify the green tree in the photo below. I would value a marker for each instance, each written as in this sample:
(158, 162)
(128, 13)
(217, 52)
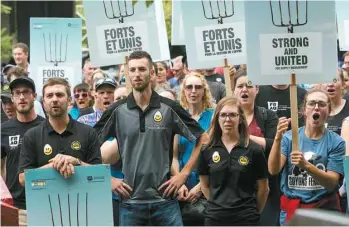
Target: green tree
(6, 37)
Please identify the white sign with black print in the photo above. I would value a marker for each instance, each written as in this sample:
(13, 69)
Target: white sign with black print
(297, 52)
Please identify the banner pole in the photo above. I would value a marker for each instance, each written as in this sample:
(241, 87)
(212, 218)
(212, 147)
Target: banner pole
(228, 83)
(127, 79)
(294, 112)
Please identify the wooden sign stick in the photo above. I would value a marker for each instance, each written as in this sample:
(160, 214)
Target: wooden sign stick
(294, 112)
(127, 79)
(228, 83)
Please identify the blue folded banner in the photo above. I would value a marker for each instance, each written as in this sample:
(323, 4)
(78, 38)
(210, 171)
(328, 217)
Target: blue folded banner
(82, 200)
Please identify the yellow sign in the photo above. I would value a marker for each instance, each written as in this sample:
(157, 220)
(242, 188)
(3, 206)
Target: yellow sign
(76, 145)
(157, 116)
(215, 157)
(243, 160)
(47, 149)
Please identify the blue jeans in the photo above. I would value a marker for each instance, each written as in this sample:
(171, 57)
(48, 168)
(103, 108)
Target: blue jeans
(165, 213)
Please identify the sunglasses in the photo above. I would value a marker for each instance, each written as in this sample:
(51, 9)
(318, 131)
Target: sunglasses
(190, 87)
(104, 80)
(84, 95)
(119, 98)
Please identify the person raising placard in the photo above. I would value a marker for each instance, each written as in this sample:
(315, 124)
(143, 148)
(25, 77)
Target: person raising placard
(310, 174)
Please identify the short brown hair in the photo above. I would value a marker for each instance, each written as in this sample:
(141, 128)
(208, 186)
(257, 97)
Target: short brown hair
(140, 55)
(17, 71)
(57, 81)
(23, 46)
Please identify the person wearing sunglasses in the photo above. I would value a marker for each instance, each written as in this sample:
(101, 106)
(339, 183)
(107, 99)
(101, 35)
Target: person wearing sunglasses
(233, 169)
(120, 93)
(196, 99)
(310, 175)
(262, 128)
(104, 95)
(82, 100)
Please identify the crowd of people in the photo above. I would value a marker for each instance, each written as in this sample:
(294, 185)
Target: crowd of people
(181, 151)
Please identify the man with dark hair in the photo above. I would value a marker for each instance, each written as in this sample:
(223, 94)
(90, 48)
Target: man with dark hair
(17, 72)
(60, 142)
(12, 132)
(20, 55)
(144, 125)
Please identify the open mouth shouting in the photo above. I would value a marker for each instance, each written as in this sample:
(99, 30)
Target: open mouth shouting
(106, 103)
(316, 116)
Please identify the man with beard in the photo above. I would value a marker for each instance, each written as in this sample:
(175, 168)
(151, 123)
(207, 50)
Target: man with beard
(144, 125)
(12, 132)
(104, 98)
(60, 142)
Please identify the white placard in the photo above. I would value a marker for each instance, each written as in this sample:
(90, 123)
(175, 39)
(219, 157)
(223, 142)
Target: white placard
(113, 41)
(220, 41)
(346, 29)
(297, 52)
(47, 72)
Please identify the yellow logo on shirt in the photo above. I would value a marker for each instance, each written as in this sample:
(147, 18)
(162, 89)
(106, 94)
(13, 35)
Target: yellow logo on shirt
(215, 157)
(75, 145)
(243, 160)
(157, 116)
(47, 149)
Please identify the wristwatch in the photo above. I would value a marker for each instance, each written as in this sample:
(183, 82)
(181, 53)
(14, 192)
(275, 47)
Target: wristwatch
(78, 162)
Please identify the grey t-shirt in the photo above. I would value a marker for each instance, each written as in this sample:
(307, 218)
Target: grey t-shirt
(145, 141)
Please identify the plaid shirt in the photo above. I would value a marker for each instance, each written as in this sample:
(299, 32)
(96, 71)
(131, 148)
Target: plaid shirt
(91, 119)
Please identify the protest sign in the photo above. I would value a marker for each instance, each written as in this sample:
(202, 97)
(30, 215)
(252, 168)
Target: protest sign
(177, 32)
(81, 200)
(287, 37)
(55, 50)
(117, 28)
(214, 31)
(342, 9)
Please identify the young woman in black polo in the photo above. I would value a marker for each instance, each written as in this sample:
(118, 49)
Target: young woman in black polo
(233, 170)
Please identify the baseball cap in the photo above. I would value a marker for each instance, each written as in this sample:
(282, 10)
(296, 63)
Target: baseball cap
(6, 93)
(105, 81)
(21, 81)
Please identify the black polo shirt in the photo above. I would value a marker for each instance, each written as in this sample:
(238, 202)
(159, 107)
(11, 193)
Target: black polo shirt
(12, 132)
(42, 143)
(233, 180)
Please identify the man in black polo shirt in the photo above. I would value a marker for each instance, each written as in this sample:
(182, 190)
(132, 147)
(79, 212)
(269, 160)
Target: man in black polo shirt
(60, 142)
(144, 125)
(12, 132)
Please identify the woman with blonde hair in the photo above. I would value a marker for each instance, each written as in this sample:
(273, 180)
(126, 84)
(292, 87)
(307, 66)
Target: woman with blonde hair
(196, 98)
(233, 170)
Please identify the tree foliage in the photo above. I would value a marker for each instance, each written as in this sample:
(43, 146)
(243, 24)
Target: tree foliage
(6, 37)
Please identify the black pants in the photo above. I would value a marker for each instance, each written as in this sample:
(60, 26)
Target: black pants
(271, 213)
(214, 222)
(116, 212)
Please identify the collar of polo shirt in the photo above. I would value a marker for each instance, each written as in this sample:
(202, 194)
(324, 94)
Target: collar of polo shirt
(69, 128)
(154, 100)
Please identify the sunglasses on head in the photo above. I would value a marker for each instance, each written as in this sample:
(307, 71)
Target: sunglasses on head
(190, 87)
(84, 95)
(103, 80)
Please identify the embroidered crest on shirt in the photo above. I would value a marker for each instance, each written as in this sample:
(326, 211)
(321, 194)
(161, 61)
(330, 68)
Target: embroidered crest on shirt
(243, 160)
(75, 145)
(157, 116)
(47, 149)
(215, 157)
(300, 179)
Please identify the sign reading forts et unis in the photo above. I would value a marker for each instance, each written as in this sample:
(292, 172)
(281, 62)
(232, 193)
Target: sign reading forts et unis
(291, 36)
(55, 50)
(213, 31)
(115, 29)
(342, 8)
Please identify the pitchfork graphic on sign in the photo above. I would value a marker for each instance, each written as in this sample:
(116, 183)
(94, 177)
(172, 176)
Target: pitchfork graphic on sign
(118, 9)
(69, 210)
(218, 9)
(276, 10)
(55, 48)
